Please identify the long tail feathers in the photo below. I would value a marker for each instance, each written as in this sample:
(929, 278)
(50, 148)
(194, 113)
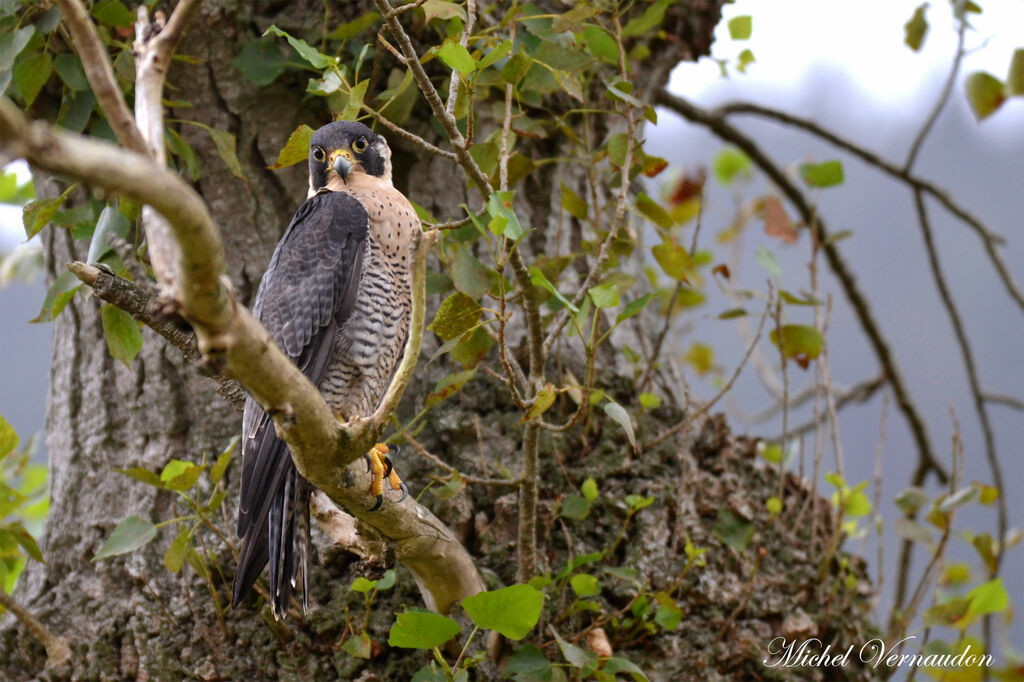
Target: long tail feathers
(282, 539)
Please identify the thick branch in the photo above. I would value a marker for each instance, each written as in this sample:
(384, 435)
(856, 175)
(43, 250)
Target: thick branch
(720, 127)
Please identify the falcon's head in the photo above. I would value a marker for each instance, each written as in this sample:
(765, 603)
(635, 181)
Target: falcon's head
(345, 148)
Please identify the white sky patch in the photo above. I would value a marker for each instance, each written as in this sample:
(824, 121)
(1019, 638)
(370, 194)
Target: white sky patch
(864, 42)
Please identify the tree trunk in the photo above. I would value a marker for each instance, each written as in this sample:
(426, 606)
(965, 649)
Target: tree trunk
(130, 617)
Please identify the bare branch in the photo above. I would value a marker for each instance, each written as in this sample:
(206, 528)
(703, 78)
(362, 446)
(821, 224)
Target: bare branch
(1008, 400)
(57, 650)
(719, 126)
(143, 306)
(989, 239)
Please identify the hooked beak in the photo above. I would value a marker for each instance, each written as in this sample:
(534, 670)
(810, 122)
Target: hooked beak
(341, 162)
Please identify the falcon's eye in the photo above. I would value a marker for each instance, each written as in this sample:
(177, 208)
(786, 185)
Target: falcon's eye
(359, 145)
(318, 154)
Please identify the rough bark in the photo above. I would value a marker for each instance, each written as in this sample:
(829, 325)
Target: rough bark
(131, 618)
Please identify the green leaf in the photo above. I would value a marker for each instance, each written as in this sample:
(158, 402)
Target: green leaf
(574, 203)
(634, 307)
(767, 260)
(575, 507)
(174, 557)
(1015, 79)
(528, 663)
(733, 530)
(421, 630)
(649, 401)
(457, 314)
(25, 539)
(470, 276)
(580, 658)
(668, 615)
(912, 530)
(537, 278)
(37, 214)
(774, 505)
(223, 459)
(296, 149)
(111, 222)
(261, 62)
(512, 611)
(824, 174)
(31, 75)
(605, 295)
(620, 416)
(798, 340)
(648, 21)
(617, 147)
(456, 56)
(225, 143)
(740, 27)
(988, 597)
(69, 68)
(11, 45)
(499, 204)
(589, 489)
(585, 585)
(439, 9)
(358, 645)
(129, 535)
(614, 666)
(449, 385)
(144, 475)
(59, 295)
(180, 475)
(362, 585)
(113, 13)
(729, 164)
(496, 54)
(516, 67)
(673, 259)
(545, 398)
(124, 340)
(307, 52)
(8, 438)
(638, 502)
(984, 93)
(744, 59)
(653, 211)
(916, 28)
(600, 44)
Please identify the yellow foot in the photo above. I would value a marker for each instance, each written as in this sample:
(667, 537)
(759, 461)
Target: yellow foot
(378, 463)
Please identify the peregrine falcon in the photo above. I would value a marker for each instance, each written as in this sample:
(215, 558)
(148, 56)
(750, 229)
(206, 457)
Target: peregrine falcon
(336, 298)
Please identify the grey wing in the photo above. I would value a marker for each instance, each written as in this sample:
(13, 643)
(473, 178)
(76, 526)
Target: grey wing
(307, 293)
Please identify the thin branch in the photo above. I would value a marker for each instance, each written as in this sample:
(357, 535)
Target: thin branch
(100, 74)
(1007, 400)
(858, 393)
(719, 126)
(989, 239)
(968, 359)
(688, 419)
(57, 650)
(143, 306)
(441, 464)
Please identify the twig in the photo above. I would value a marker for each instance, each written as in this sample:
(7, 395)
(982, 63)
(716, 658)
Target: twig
(858, 393)
(1008, 400)
(720, 127)
(100, 74)
(142, 306)
(441, 464)
(58, 652)
(990, 240)
(688, 419)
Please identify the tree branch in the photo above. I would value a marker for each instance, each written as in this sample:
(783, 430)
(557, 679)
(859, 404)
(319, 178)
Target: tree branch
(57, 650)
(100, 74)
(990, 240)
(720, 127)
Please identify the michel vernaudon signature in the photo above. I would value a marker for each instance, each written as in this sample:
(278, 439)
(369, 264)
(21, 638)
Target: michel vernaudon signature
(783, 653)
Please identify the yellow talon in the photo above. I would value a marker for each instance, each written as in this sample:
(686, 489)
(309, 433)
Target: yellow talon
(381, 468)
